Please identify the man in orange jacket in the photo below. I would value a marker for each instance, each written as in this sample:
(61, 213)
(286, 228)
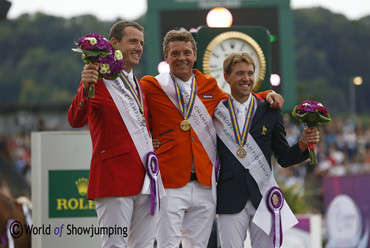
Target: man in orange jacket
(181, 105)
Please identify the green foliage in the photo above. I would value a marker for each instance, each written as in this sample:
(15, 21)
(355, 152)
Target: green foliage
(330, 49)
(294, 196)
(38, 65)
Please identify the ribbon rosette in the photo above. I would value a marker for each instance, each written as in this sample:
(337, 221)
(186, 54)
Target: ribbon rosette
(311, 113)
(275, 202)
(97, 49)
(152, 169)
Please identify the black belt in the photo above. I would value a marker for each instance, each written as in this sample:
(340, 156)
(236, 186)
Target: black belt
(193, 177)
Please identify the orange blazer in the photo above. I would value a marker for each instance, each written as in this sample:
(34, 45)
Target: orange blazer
(179, 149)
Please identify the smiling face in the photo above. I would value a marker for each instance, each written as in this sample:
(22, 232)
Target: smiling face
(131, 46)
(241, 80)
(181, 57)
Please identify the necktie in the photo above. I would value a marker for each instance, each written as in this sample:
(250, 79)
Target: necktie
(241, 116)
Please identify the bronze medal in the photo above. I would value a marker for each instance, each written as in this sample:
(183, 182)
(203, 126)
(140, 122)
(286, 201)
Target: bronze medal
(241, 152)
(185, 125)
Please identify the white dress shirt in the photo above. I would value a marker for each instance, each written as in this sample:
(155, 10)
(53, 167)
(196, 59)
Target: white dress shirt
(130, 77)
(241, 111)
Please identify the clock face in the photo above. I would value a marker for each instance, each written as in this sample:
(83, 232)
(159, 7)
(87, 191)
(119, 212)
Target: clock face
(224, 44)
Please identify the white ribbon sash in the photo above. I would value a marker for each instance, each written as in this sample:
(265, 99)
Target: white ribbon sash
(201, 122)
(258, 167)
(132, 117)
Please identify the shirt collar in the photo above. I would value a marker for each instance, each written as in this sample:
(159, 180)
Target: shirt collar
(245, 104)
(129, 75)
(180, 82)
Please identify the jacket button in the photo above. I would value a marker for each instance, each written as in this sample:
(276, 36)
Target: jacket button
(192, 139)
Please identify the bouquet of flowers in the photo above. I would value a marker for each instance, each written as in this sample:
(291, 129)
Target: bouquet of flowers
(311, 113)
(97, 49)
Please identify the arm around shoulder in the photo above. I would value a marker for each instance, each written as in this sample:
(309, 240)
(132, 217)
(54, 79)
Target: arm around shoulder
(276, 100)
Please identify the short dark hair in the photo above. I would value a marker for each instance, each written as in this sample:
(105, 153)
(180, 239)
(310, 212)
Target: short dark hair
(117, 29)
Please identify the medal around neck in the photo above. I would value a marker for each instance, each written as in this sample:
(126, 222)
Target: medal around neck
(185, 125)
(241, 135)
(241, 152)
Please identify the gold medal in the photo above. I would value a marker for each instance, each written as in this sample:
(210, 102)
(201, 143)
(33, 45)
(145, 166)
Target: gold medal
(241, 153)
(143, 121)
(185, 125)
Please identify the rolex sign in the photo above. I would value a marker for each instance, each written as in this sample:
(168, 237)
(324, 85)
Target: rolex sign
(67, 194)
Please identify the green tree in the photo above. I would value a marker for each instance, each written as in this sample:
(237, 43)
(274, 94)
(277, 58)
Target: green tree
(38, 65)
(332, 47)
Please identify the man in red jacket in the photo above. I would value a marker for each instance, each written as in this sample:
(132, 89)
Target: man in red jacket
(121, 142)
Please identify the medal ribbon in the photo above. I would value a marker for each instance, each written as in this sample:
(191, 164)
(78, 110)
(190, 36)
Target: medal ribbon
(138, 97)
(180, 99)
(241, 137)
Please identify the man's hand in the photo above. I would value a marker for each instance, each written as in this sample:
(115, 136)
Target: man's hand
(276, 100)
(309, 135)
(89, 75)
(156, 143)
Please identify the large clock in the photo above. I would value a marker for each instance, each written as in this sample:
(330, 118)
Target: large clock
(224, 44)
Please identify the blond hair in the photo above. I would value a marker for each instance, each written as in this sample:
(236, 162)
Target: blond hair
(235, 58)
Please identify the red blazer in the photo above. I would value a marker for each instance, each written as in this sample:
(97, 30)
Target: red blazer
(116, 168)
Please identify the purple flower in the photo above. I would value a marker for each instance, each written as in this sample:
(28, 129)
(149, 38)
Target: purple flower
(94, 42)
(96, 48)
(311, 113)
(115, 66)
(311, 106)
